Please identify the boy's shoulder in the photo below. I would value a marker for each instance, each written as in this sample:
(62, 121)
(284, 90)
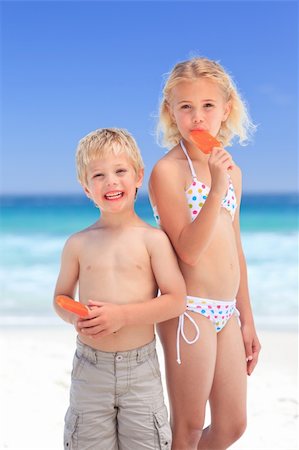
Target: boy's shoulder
(154, 235)
(81, 236)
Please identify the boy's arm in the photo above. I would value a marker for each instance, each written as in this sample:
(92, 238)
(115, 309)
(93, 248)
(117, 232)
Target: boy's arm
(68, 277)
(171, 303)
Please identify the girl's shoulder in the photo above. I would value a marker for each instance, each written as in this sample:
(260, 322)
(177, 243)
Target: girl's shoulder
(236, 174)
(167, 176)
(169, 162)
(236, 178)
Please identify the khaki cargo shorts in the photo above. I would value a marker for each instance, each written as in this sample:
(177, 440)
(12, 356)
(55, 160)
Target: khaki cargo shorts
(116, 401)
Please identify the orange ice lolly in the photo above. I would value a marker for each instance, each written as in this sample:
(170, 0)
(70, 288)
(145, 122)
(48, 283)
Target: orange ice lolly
(71, 305)
(204, 141)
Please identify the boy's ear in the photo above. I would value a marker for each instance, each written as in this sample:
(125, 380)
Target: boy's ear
(86, 190)
(140, 175)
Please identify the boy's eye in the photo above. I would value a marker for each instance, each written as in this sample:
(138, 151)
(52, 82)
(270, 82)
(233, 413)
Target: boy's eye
(98, 175)
(186, 106)
(121, 171)
(208, 105)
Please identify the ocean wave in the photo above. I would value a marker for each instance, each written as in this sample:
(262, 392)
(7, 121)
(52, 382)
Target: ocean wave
(274, 246)
(30, 265)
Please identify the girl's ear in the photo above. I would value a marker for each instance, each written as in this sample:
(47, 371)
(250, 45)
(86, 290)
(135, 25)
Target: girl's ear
(140, 175)
(170, 110)
(227, 110)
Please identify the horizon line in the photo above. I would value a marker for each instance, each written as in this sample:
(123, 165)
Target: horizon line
(141, 192)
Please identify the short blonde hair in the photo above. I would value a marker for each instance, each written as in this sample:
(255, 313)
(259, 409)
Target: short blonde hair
(106, 141)
(238, 122)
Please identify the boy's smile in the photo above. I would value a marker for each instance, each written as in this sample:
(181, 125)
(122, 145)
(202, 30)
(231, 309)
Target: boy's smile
(112, 196)
(112, 182)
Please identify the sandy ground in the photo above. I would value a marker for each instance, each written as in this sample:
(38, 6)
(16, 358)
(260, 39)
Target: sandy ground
(35, 378)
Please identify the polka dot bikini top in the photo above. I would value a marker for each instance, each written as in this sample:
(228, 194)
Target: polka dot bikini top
(197, 193)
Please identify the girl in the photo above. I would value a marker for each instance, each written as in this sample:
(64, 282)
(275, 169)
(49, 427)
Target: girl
(196, 199)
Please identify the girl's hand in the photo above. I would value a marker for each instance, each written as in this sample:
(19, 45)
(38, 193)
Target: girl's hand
(220, 162)
(104, 319)
(252, 347)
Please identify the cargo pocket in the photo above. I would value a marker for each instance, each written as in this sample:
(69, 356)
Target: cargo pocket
(78, 365)
(163, 429)
(153, 363)
(71, 422)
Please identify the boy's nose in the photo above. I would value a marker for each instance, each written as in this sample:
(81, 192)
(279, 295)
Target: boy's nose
(112, 181)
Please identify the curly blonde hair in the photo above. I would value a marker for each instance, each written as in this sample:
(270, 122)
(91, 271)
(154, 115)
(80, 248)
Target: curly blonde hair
(238, 122)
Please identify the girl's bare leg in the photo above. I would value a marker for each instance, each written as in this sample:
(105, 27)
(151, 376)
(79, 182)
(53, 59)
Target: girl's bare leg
(228, 394)
(189, 384)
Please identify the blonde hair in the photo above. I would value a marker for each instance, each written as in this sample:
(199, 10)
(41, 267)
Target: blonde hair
(102, 142)
(238, 122)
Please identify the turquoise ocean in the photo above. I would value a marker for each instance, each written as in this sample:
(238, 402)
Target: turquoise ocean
(35, 228)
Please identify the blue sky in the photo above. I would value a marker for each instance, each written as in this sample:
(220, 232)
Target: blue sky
(73, 66)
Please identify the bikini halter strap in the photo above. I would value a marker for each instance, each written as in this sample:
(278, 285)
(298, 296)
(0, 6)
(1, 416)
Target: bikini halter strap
(189, 160)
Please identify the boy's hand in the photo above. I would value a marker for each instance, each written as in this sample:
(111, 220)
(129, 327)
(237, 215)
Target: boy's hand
(75, 320)
(104, 319)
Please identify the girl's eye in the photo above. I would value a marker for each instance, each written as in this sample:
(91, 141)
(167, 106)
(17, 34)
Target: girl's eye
(208, 105)
(98, 175)
(121, 171)
(186, 106)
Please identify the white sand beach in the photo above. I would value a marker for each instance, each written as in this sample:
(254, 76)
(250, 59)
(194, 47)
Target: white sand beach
(35, 378)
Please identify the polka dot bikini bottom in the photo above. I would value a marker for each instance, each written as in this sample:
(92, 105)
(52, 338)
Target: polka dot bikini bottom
(218, 312)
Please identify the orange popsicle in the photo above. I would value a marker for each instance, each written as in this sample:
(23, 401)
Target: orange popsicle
(204, 141)
(71, 305)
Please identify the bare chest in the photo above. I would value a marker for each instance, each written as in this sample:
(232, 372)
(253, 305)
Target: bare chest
(115, 255)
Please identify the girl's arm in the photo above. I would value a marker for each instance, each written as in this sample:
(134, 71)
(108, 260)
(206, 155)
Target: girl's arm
(251, 341)
(166, 186)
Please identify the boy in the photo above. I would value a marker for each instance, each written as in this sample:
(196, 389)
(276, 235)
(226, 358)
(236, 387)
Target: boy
(116, 398)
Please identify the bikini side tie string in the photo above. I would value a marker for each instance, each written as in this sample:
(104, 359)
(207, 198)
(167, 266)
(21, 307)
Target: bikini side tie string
(180, 331)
